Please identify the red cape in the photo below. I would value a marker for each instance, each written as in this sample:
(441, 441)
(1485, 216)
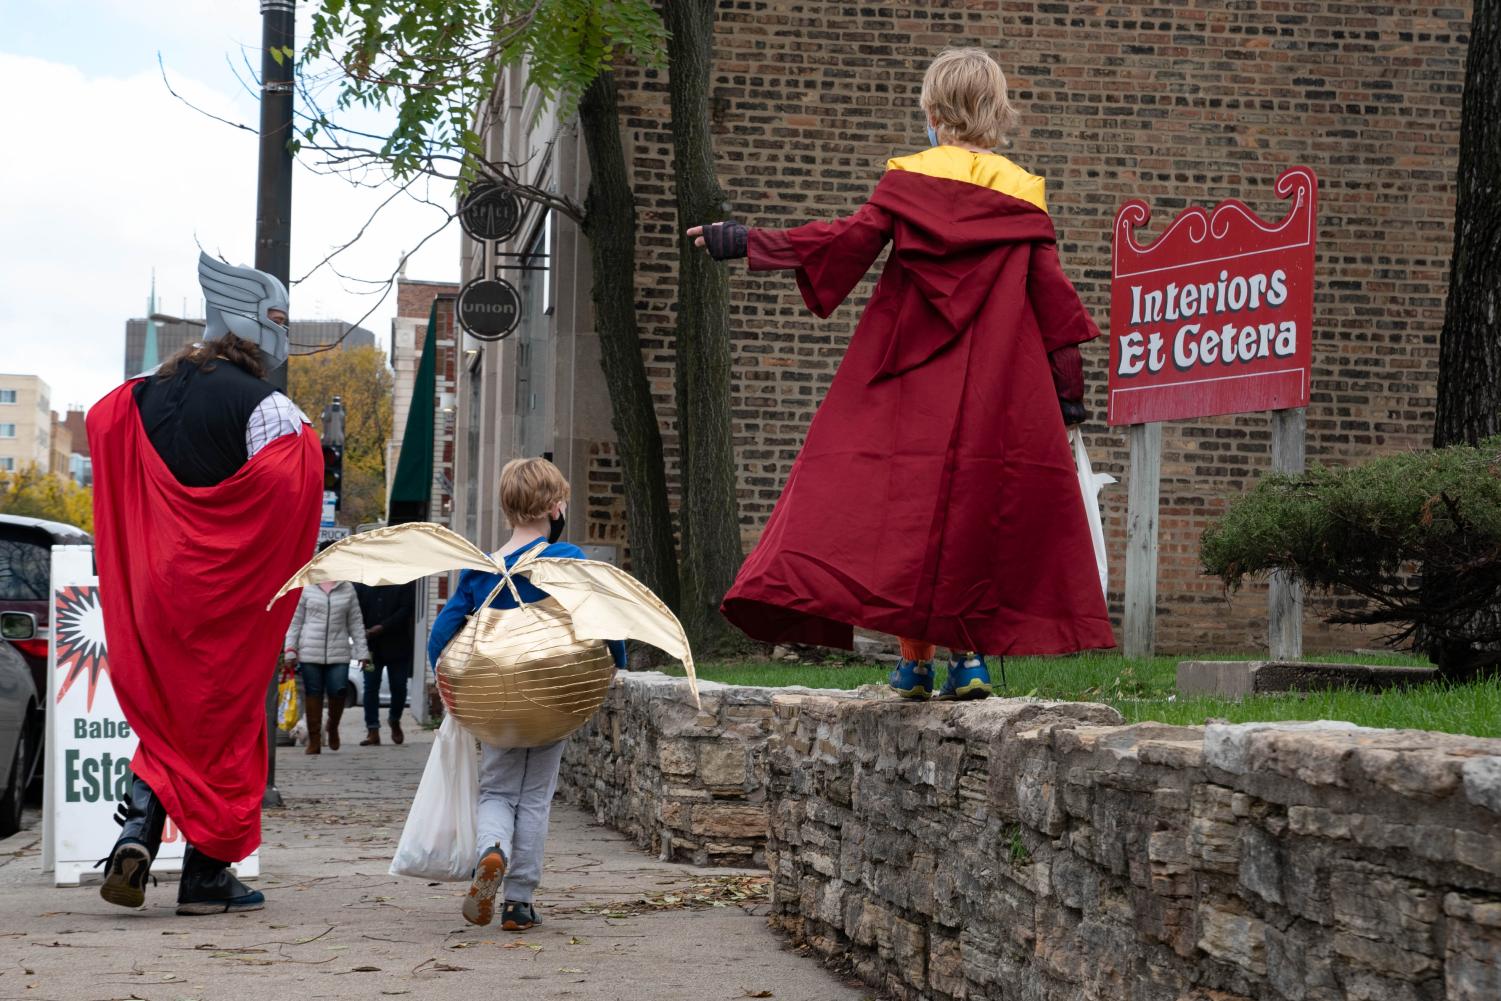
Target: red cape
(184, 577)
(935, 497)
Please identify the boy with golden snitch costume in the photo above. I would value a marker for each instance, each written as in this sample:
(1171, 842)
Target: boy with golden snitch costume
(524, 651)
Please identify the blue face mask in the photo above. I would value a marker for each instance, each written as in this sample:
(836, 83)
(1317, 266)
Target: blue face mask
(932, 136)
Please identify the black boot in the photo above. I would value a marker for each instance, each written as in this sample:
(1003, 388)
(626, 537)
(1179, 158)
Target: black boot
(129, 864)
(208, 887)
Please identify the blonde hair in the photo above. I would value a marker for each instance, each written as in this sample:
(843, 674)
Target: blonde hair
(529, 488)
(964, 92)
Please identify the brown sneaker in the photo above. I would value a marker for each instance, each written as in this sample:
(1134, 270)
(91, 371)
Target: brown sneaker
(479, 902)
(518, 916)
(372, 739)
(396, 735)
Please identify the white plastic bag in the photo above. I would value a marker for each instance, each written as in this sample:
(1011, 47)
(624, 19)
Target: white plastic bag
(438, 841)
(1090, 483)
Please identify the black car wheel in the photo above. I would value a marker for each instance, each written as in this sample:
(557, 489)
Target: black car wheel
(35, 784)
(14, 799)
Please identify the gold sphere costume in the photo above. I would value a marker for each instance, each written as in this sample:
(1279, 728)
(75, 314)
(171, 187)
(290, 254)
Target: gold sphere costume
(524, 676)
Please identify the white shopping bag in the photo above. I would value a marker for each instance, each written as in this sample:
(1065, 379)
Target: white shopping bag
(1090, 483)
(438, 839)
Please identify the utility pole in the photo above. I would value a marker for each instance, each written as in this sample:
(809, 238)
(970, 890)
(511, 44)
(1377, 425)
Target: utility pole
(273, 195)
(273, 221)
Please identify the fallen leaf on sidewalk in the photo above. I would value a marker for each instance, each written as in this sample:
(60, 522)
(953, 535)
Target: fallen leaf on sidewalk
(522, 944)
(575, 940)
(721, 891)
(759, 994)
(365, 969)
(569, 969)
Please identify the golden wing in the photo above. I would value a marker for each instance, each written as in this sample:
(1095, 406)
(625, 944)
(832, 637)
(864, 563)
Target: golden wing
(607, 603)
(393, 555)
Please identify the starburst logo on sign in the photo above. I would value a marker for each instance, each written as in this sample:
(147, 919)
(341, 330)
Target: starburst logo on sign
(78, 634)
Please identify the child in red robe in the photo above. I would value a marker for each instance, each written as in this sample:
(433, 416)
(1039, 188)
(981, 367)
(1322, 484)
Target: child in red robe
(935, 496)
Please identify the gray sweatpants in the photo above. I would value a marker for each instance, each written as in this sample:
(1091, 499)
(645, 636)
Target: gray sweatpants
(515, 797)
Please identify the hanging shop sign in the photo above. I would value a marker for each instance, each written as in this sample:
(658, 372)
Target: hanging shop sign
(1215, 316)
(490, 212)
(489, 308)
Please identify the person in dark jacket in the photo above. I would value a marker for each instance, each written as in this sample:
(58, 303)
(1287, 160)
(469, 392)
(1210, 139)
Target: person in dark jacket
(389, 612)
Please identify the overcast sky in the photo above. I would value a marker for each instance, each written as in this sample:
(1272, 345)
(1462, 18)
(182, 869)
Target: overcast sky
(106, 176)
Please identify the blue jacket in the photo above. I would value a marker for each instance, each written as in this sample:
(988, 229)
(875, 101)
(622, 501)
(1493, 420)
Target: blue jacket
(475, 585)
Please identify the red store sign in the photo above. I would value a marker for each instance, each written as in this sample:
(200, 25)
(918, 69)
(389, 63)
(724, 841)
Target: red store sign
(1216, 315)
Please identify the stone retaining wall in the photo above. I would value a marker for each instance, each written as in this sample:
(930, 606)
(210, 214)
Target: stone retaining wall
(687, 785)
(1022, 850)
(1043, 852)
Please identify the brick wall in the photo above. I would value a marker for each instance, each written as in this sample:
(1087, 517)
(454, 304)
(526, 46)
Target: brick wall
(415, 298)
(1175, 102)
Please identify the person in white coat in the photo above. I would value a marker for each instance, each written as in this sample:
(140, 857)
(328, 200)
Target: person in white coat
(326, 631)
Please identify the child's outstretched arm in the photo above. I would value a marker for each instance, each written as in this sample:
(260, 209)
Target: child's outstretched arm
(830, 258)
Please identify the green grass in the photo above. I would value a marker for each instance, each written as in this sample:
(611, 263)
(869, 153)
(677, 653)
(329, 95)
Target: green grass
(1145, 690)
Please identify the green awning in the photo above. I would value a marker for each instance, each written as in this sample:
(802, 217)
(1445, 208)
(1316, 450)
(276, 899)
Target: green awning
(412, 486)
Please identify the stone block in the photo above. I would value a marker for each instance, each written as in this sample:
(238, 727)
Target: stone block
(1226, 679)
(1228, 933)
(1472, 947)
(1239, 748)
(677, 757)
(1236, 679)
(1482, 782)
(729, 821)
(722, 764)
(946, 967)
(676, 815)
(909, 950)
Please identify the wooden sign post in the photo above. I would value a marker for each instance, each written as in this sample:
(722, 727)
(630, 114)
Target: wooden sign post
(1213, 317)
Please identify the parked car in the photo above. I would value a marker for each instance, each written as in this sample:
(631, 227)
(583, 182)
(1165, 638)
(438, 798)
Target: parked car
(25, 585)
(20, 709)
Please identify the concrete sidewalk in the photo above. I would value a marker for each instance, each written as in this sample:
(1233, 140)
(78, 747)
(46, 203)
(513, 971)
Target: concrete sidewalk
(337, 926)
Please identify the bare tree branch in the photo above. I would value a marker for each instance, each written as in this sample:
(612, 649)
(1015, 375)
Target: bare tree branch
(209, 114)
(389, 284)
(366, 225)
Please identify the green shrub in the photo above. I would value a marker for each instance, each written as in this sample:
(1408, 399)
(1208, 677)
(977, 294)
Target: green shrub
(1417, 537)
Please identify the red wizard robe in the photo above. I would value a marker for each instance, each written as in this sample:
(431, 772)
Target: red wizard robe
(184, 577)
(935, 497)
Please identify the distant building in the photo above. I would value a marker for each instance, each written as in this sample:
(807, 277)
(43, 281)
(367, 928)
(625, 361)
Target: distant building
(80, 464)
(25, 422)
(414, 303)
(75, 422)
(166, 338)
(77, 465)
(60, 451)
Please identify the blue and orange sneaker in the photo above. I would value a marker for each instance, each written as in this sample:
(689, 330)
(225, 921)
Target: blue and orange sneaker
(479, 902)
(912, 679)
(968, 678)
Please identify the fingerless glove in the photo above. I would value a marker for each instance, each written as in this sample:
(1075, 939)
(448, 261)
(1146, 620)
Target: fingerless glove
(725, 240)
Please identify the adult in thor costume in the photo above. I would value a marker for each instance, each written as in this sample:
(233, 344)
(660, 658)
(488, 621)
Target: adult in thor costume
(207, 491)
